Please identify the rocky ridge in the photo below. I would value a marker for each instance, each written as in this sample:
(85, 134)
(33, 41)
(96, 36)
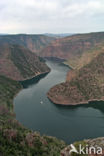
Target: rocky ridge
(19, 63)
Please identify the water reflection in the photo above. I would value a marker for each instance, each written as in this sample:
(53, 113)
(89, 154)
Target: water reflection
(98, 105)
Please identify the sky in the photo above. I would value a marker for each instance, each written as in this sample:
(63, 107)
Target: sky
(51, 16)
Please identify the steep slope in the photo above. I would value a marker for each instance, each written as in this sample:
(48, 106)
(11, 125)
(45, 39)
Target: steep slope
(86, 57)
(34, 43)
(19, 63)
(73, 47)
(86, 84)
(16, 140)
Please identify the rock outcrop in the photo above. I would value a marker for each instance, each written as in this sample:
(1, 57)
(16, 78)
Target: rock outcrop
(86, 144)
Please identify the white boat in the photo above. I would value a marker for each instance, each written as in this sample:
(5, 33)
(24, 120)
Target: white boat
(41, 102)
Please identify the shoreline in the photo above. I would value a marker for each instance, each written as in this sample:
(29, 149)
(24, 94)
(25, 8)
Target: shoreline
(12, 128)
(23, 88)
(29, 78)
(74, 104)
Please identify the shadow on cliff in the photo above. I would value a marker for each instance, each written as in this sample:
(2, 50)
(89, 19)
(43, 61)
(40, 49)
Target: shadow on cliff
(32, 81)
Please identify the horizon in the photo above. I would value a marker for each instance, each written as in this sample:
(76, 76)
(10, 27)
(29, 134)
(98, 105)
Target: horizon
(75, 33)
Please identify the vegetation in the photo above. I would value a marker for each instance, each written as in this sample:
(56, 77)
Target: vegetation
(16, 140)
(86, 85)
(27, 63)
(19, 63)
(76, 144)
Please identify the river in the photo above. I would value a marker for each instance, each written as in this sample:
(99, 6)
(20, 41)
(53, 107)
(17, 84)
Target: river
(69, 123)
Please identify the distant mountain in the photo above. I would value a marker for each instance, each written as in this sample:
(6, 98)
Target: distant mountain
(19, 63)
(35, 43)
(71, 48)
(59, 35)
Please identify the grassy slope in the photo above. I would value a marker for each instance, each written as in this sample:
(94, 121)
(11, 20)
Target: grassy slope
(27, 63)
(15, 140)
(86, 85)
(19, 63)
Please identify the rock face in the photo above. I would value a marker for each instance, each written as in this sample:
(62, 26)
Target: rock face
(34, 43)
(19, 63)
(98, 142)
(87, 84)
(73, 47)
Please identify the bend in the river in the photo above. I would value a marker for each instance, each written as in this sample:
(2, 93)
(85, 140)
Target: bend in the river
(35, 111)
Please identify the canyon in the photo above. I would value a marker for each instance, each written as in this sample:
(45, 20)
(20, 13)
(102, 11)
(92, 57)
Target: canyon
(84, 83)
(20, 59)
